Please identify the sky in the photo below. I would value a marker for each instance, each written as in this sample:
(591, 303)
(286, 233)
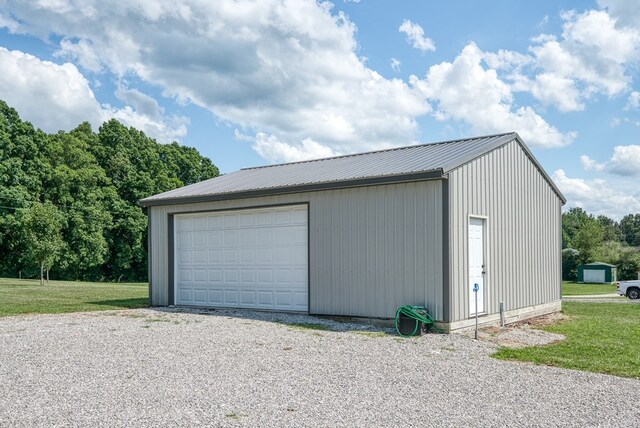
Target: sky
(257, 82)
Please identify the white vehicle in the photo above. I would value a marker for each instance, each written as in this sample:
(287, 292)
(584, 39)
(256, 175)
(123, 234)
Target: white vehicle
(631, 289)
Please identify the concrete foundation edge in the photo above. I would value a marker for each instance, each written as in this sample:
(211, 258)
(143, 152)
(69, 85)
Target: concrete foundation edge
(510, 317)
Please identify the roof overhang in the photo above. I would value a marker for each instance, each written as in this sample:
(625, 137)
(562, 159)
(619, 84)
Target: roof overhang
(312, 187)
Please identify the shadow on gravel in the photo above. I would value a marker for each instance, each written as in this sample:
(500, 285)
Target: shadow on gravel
(292, 320)
(142, 302)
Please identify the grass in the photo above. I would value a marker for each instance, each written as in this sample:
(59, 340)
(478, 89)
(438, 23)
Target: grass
(600, 337)
(24, 296)
(575, 289)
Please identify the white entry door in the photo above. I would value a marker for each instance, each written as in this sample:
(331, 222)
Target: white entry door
(253, 258)
(476, 264)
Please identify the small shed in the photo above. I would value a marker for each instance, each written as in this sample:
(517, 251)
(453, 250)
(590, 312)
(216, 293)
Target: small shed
(597, 273)
(360, 235)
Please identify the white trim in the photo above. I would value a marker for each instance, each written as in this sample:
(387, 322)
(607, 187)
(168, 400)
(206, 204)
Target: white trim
(485, 294)
(292, 206)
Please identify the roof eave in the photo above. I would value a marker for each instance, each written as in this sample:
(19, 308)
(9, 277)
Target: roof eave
(331, 185)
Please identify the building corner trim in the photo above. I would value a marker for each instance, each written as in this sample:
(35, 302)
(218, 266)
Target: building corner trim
(446, 285)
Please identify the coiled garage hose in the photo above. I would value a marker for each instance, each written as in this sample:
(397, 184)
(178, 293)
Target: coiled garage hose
(418, 313)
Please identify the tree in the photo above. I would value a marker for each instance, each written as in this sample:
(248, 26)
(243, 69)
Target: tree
(587, 240)
(610, 228)
(629, 264)
(572, 221)
(630, 226)
(95, 181)
(43, 235)
(570, 261)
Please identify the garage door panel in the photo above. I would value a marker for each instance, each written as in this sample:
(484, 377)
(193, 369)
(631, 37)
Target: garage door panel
(215, 256)
(248, 256)
(185, 294)
(198, 223)
(199, 275)
(200, 295)
(231, 297)
(215, 297)
(252, 258)
(214, 222)
(200, 257)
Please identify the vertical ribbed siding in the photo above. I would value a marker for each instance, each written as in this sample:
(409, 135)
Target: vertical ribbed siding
(523, 251)
(371, 249)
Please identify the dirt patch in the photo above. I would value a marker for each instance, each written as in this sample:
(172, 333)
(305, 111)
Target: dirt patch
(543, 321)
(524, 333)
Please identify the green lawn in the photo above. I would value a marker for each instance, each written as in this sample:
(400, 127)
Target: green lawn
(600, 337)
(29, 297)
(575, 289)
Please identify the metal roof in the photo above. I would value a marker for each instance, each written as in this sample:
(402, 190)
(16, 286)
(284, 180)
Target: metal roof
(599, 264)
(419, 162)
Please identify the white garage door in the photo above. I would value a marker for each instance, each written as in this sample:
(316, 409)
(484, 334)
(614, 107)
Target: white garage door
(255, 258)
(594, 276)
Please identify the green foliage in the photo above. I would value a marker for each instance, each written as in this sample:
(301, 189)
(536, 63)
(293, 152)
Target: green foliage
(610, 229)
(570, 262)
(42, 229)
(95, 181)
(587, 240)
(630, 226)
(572, 221)
(600, 239)
(628, 264)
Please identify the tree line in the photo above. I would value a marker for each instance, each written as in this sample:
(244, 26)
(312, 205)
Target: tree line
(69, 200)
(587, 239)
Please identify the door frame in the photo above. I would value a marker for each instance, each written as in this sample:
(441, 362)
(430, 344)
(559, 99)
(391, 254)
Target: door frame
(485, 223)
(171, 253)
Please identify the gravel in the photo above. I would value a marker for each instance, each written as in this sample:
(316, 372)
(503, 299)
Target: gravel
(239, 368)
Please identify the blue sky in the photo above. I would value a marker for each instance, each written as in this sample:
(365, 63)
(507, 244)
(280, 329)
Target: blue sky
(250, 83)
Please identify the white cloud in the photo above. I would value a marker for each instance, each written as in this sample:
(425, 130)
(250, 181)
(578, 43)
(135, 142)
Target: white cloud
(49, 95)
(626, 12)
(465, 90)
(272, 149)
(395, 65)
(8, 23)
(143, 112)
(597, 196)
(55, 97)
(592, 56)
(625, 161)
(416, 37)
(289, 69)
(633, 103)
(590, 165)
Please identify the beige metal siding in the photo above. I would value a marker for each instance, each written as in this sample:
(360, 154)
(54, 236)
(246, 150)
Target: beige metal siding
(523, 231)
(372, 248)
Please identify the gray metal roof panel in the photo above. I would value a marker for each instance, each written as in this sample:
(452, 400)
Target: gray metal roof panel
(392, 163)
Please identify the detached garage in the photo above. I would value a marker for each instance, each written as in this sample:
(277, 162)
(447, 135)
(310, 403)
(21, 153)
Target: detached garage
(361, 235)
(597, 273)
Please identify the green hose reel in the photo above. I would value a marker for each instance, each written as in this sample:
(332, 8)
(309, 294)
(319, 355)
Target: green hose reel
(419, 314)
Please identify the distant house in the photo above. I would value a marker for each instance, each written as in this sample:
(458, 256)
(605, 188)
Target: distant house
(597, 273)
(360, 235)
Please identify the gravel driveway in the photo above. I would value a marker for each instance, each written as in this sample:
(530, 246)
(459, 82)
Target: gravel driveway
(160, 368)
